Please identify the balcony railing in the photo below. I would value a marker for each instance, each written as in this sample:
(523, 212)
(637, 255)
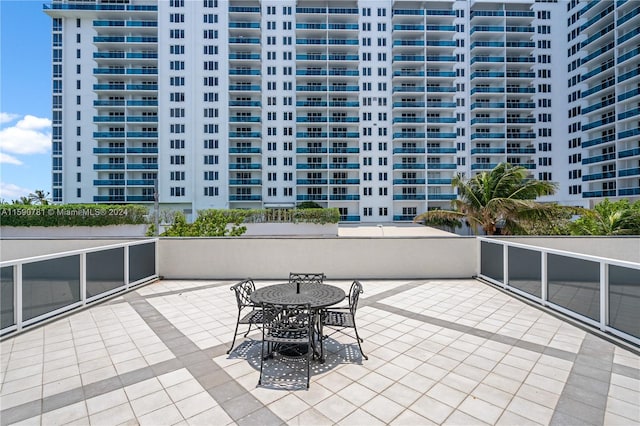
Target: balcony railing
(598, 291)
(38, 288)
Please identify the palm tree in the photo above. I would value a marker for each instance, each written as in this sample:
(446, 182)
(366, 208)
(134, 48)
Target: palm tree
(22, 201)
(500, 200)
(39, 197)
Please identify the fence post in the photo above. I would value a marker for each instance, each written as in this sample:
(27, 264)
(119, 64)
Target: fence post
(18, 289)
(544, 282)
(505, 265)
(604, 296)
(83, 278)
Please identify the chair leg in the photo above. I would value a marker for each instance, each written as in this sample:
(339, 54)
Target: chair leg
(261, 362)
(247, 333)
(309, 365)
(358, 339)
(235, 333)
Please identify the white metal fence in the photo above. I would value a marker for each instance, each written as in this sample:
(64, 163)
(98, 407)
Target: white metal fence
(602, 292)
(37, 288)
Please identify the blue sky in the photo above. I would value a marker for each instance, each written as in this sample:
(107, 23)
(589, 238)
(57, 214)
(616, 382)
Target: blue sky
(25, 98)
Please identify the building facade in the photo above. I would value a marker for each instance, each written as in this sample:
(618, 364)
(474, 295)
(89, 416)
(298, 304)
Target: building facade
(368, 106)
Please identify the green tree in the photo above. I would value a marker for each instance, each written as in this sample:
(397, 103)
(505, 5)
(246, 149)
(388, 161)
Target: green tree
(39, 197)
(609, 218)
(500, 200)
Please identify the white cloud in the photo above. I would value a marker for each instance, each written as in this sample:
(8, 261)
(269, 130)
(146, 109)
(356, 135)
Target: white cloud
(9, 159)
(5, 117)
(30, 135)
(9, 191)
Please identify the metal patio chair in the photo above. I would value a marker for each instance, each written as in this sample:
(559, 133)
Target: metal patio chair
(287, 328)
(342, 318)
(248, 313)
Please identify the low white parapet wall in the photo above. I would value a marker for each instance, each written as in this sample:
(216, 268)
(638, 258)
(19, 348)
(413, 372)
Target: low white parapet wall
(114, 231)
(620, 247)
(339, 258)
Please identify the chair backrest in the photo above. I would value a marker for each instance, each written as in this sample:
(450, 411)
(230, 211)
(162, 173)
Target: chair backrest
(287, 320)
(354, 296)
(306, 277)
(243, 291)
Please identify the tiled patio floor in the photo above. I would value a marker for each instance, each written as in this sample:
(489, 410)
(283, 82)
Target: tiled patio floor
(440, 352)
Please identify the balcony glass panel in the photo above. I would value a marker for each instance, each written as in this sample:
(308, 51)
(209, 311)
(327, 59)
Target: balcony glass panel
(142, 261)
(525, 270)
(492, 261)
(624, 294)
(105, 271)
(49, 285)
(574, 284)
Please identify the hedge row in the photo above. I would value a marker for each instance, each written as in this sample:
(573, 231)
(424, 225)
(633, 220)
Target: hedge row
(72, 215)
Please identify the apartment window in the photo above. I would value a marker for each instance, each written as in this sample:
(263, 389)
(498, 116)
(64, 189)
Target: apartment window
(177, 191)
(211, 191)
(383, 211)
(210, 159)
(210, 175)
(177, 159)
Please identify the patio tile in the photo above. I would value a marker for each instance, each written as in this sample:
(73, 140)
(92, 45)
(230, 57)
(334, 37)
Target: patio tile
(492, 395)
(509, 418)
(32, 421)
(360, 417)
(150, 402)
(383, 408)
(417, 382)
(625, 382)
(432, 409)
(503, 383)
(359, 395)
(22, 384)
(459, 382)
(411, 418)
(625, 409)
(241, 406)
(192, 405)
(175, 377)
(376, 382)
(447, 394)
(166, 415)
(624, 394)
(310, 417)
(459, 418)
(184, 389)
(480, 409)
(106, 401)
(335, 408)
(22, 372)
(535, 412)
(288, 406)
(65, 414)
(402, 394)
(211, 416)
(61, 386)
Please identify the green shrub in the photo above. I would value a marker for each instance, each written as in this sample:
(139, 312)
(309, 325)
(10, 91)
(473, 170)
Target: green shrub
(72, 215)
(210, 223)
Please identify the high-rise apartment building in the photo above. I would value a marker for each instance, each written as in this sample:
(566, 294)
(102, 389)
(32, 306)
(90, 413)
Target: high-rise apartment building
(368, 106)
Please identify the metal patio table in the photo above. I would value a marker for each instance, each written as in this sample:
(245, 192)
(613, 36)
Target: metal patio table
(318, 296)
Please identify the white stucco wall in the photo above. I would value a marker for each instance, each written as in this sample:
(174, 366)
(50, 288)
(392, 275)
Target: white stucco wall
(274, 258)
(620, 248)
